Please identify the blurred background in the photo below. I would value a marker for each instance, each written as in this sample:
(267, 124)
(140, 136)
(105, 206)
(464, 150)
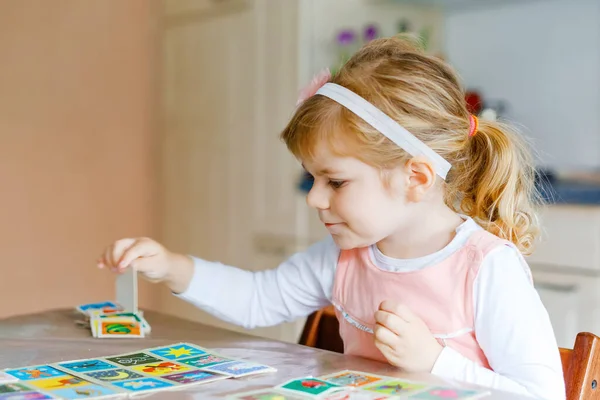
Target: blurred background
(161, 118)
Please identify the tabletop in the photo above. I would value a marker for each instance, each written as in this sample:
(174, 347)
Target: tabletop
(53, 336)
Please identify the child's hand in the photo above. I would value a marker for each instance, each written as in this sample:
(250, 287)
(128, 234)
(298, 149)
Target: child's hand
(404, 339)
(151, 259)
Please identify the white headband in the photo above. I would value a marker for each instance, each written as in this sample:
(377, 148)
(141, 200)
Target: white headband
(384, 124)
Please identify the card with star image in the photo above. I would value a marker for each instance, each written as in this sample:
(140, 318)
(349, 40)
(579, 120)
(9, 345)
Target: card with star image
(179, 351)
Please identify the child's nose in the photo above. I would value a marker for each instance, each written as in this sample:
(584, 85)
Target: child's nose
(317, 198)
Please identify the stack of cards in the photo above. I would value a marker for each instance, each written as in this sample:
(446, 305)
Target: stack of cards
(355, 385)
(161, 368)
(109, 320)
(120, 319)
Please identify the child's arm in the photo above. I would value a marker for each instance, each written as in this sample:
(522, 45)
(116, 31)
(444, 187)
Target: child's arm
(299, 286)
(513, 330)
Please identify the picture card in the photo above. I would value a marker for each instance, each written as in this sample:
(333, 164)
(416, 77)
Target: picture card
(104, 307)
(309, 386)
(179, 351)
(117, 329)
(85, 365)
(34, 372)
(205, 360)
(396, 387)
(352, 378)
(239, 368)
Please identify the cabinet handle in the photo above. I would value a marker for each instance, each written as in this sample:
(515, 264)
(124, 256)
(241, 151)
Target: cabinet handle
(556, 287)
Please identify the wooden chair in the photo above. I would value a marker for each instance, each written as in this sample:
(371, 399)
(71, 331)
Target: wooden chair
(322, 331)
(581, 365)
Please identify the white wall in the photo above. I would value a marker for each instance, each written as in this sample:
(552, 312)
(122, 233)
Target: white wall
(543, 58)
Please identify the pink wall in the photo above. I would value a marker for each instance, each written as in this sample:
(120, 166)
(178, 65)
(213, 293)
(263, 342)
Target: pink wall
(78, 118)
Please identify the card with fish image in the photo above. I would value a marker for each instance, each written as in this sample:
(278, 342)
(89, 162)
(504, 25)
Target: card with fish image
(309, 386)
(34, 372)
(352, 378)
(444, 393)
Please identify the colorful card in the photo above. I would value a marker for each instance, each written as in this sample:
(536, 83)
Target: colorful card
(162, 368)
(35, 372)
(104, 306)
(14, 388)
(60, 382)
(264, 394)
(114, 375)
(7, 378)
(93, 364)
(178, 352)
(84, 392)
(186, 378)
(33, 395)
(395, 387)
(127, 315)
(205, 361)
(118, 329)
(139, 385)
(309, 387)
(239, 368)
(440, 393)
(351, 378)
(129, 360)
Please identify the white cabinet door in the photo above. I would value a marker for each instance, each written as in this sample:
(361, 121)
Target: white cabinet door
(229, 86)
(571, 300)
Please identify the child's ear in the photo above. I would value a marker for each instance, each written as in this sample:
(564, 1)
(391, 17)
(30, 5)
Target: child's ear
(420, 178)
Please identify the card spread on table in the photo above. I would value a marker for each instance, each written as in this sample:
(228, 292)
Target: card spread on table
(351, 378)
(309, 387)
(395, 387)
(238, 368)
(181, 365)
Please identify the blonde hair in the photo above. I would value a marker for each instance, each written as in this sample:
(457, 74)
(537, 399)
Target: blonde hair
(492, 174)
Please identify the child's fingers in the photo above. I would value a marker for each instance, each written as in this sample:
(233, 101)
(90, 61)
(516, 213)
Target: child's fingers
(139, 248)
(391, 321)
(118, 249)
(398, 309)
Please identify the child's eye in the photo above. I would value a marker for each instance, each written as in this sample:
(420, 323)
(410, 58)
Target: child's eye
(336, 184)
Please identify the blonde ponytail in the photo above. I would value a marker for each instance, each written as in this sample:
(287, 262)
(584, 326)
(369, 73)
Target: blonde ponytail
(495, 184)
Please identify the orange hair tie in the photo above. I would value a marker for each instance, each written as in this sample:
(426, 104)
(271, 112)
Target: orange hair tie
(473, 125)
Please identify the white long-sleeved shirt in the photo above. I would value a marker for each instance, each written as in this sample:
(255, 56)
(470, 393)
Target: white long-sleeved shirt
(512, 325)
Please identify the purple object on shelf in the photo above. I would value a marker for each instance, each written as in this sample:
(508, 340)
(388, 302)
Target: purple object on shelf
(371, 32)
(346, 37)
